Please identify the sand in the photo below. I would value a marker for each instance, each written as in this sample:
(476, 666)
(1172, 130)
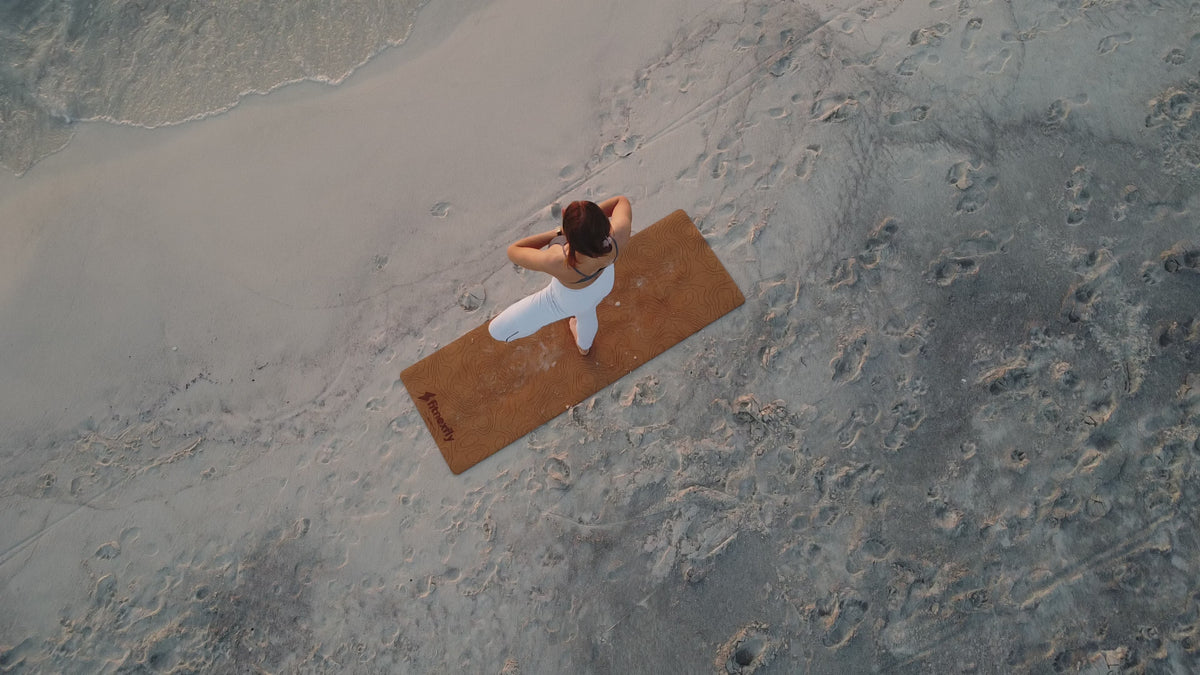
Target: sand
(953, 429)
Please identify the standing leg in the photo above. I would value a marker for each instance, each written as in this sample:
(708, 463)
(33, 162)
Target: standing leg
(584, 323)
(584, 326)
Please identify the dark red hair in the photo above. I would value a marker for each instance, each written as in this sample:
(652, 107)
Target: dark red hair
(587, 230)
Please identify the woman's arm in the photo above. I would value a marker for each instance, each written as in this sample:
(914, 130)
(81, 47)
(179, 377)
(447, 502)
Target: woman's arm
(536, 241)
(608, 205)
(529, 253)
(620, 216)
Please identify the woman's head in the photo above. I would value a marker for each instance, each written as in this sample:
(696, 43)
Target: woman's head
(587, 229)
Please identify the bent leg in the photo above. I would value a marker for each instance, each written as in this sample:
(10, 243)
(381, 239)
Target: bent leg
(526, 317)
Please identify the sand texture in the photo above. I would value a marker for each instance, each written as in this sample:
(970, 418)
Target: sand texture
(954, 427)
(477, 395)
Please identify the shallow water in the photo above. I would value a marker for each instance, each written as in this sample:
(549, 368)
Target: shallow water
(151, 64)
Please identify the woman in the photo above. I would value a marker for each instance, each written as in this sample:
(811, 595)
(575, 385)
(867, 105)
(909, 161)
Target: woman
(579, 257)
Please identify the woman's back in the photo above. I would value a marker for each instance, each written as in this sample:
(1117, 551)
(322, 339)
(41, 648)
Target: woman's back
(581, 257)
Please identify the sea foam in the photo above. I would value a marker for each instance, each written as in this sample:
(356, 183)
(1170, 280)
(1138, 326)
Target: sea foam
(154, 64)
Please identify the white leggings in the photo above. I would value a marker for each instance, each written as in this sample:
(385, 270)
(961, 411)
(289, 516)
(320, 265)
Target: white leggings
(554, 303)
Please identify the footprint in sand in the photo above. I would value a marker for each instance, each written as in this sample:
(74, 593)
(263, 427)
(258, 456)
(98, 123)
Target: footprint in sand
(808, 162)
(781, 66)
(912, 64)
(108, 551)
(749, 38)
(750, 649)
(1110, 43)
(472, 297)
(645, 391)
(1179, 108)
(910, 338)
(1056, 115)
(963, 259)
(719, 168)
(558, 472)
(105, 590)
(975, 186)
(847, 366)
(908, 418)
(996, 64)
(960, 175)
(846, 271)
(1012, 378)
(946, 270)
(914, 114)
(768, 180)
(970, 32)
(985, 243)
(622, 147)
(976, 196)
(1021, 36)
(948, 520)
(1153, 273)
(1181, 257)
(929, 35)
(879, 241)
(874, 548)
(974, 600)
(850, 430)
(1078, 196)
(834, 108)
(1175, 57)
(1173, 113)
(844, 622)
(1079, 301)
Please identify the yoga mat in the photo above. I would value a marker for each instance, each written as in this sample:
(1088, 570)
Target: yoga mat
(477, 395)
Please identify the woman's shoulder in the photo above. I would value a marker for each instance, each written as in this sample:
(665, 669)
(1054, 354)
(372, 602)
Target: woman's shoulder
(621, 221)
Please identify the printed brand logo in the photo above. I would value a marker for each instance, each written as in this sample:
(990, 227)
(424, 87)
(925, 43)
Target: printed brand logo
(431, 401)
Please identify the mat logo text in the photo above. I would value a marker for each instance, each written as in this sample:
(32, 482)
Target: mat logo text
(431, 401)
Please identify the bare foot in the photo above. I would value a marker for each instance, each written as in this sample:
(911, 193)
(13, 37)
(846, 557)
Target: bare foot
(575, 335)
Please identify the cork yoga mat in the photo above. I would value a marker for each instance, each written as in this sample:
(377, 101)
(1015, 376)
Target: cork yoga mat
(478, 395)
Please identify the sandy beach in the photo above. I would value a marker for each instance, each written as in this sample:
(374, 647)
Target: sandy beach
(954, 428)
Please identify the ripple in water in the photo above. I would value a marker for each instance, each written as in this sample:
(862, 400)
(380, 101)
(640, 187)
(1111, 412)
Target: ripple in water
(156, 63)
